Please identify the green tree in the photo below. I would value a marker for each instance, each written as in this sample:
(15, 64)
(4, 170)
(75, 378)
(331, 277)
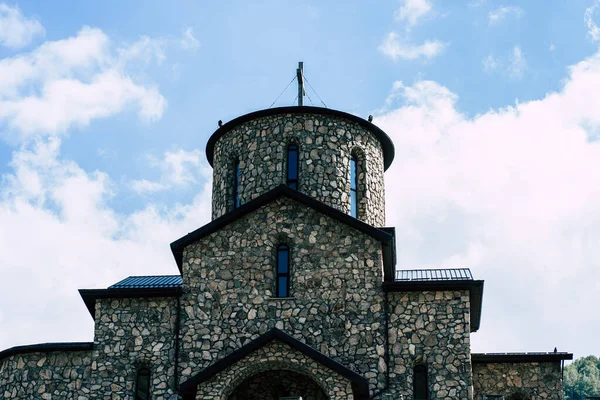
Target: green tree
(582, 378)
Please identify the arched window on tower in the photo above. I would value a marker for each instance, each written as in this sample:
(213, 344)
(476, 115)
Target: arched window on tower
(420, 389)
(282, 284)
(142, 384)
(353, 186)
(236, 183)
(292, 166)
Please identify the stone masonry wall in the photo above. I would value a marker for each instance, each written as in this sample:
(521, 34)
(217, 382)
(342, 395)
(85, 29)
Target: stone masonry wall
(336, 303)
(535, 381)
(274, 356)
(325, 143)
(432, 328)
(131, 333)
(46, 375)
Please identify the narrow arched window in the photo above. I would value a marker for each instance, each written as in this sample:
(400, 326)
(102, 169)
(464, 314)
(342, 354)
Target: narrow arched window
(236, 184)
(292, 167)
(353, 186)
(283, 271)
(142, 384)
(420, 390)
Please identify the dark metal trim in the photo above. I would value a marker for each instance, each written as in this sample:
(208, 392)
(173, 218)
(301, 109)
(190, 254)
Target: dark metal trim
(360, 386)
(386, 143)
(179, 245)
(499, 358)
(475, 288)
(46, 348)
(90, 296)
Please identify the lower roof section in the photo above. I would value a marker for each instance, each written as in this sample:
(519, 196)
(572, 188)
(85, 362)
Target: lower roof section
(499, 358)
(90, 296)
(475, 288)
(46, 348)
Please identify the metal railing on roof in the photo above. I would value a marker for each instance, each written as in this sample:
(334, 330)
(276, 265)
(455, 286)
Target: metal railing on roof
(447, 274)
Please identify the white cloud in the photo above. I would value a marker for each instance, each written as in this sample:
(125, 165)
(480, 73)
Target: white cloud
(58, 233)
(593, 29)
(552, 47)
(513, 66)
(412, 11)
(188, 40)
(513, 194)
(395, 48)
(517, 63)
(178, 168)
(15, 30)
(70, 82)
(490, 63)
(497, 15)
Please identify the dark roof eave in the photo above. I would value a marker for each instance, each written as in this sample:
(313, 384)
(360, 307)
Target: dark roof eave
(178, 246)
(386, 143)
(475, 288)
(498, 358)
(90, 296)
(46, 348)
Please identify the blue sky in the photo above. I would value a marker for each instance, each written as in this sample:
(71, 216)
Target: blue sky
(105, 109)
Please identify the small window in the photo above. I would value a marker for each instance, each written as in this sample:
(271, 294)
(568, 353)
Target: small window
(283, 271)
(420, 390)
(142, 384)
(292, 167)
(353, 186)
(236, 183)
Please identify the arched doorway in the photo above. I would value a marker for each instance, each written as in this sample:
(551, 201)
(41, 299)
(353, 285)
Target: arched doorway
(277, 384)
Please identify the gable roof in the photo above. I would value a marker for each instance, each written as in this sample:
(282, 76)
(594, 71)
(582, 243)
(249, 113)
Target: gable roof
(360, 385)
(386, 143)
(384, 236)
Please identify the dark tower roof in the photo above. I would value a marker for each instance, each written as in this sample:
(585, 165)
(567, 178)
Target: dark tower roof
(384, 139)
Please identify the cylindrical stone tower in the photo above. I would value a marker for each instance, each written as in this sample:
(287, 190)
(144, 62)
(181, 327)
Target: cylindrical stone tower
(249, 156)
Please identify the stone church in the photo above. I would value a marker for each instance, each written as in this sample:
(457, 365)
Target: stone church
(290, 292)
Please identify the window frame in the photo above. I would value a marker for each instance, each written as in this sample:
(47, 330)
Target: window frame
(235, 183)
(354, 186)
(291, 182)
(421, 368)
(138, 375)
(280, 248)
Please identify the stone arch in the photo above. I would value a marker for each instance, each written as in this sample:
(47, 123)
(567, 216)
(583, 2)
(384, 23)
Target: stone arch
(278, 365)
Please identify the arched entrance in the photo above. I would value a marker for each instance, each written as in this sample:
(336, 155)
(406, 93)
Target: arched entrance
(277, 384)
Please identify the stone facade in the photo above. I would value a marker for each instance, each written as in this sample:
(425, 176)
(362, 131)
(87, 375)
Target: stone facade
(130, 334)
(351, 332)
(336, 296)
(325, 143)
(432, 328)
(517, 381)
(46, 375)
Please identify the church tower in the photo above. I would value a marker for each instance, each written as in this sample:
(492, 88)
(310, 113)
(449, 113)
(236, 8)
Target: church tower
(335, 158)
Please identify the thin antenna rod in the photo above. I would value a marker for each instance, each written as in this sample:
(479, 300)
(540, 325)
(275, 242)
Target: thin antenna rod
(300, 78)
